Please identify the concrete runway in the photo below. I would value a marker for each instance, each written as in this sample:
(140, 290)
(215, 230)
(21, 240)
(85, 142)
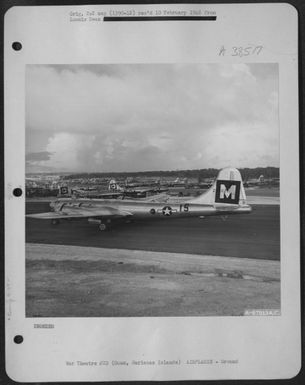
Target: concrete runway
(255, 235)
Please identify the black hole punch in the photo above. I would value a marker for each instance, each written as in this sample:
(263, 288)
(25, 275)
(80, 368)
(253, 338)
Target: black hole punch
(18, 339)
(17, 46)
(17, 192)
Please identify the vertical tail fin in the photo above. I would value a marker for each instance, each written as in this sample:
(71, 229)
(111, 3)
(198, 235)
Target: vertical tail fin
(64, 191)
(228, 188)
(113, 186)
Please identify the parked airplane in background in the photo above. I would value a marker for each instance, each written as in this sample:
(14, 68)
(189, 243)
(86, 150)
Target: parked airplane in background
(114, 191)
(260, 181)
(226, 197)
(178, 182)
(89, 192)
(135, 192)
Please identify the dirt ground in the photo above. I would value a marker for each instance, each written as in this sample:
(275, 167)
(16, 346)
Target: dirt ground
(73, 281)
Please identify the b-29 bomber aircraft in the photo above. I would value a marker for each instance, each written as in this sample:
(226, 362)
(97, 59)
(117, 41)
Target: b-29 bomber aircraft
(225, 197)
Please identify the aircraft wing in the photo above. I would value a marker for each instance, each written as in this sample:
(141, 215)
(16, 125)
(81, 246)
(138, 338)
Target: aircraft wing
(110, 194)
(106, 195)
(82, 213)
(162, 197)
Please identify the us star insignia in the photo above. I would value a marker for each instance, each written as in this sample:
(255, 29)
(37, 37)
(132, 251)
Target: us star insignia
(167, 210)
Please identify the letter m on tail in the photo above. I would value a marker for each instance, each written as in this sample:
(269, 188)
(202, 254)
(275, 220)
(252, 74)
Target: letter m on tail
(227, 191)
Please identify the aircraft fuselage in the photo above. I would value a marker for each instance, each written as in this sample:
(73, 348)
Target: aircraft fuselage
(139, 209)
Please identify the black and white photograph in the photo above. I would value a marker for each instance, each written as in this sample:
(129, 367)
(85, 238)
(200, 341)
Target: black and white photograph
(152, 190)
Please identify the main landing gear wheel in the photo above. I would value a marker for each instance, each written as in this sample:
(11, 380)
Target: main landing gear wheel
(102, 227)
(55, 221)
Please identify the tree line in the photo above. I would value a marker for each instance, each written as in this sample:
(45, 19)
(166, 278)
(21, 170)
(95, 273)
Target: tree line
(247, 173)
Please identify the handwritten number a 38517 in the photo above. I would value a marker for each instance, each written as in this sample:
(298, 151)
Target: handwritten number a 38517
(246, 51)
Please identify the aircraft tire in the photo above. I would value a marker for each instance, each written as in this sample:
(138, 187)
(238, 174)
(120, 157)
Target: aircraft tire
(102, 227)
(55, 222)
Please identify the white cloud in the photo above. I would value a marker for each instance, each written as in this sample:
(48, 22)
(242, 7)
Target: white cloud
(69, 150)
(145, 117)
(231, 145)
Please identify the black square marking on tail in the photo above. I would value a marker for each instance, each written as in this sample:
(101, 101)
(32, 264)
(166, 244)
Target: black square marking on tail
(64, 190)
(227, 191)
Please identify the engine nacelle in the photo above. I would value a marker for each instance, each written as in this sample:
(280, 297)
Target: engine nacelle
(95, 221)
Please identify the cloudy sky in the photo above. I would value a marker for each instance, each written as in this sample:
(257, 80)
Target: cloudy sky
(139, 117)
